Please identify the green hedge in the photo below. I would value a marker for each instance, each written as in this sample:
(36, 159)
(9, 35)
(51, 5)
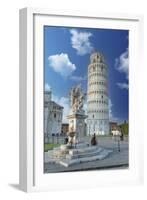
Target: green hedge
(50, 146)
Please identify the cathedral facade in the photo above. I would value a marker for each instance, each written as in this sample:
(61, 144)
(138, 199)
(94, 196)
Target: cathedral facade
(97, 96)
(53, 114)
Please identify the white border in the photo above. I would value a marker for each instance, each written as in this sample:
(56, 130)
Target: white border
(31, 146)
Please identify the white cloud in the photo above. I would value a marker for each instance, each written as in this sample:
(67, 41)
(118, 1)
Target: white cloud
(63, 101)
(78, 78)
(123, 85)
(61, 64)
(47, 87)
(122, 63)
(111, 116)
(80, 42)
(110, 109)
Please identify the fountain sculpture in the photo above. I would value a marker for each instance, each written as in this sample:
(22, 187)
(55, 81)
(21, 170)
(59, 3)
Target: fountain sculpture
(76, 150)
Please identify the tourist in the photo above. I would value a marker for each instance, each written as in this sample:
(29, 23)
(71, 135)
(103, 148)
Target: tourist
(93, 140)
(66, 140)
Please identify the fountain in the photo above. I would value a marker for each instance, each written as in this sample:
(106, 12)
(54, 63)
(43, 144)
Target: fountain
(76, 150)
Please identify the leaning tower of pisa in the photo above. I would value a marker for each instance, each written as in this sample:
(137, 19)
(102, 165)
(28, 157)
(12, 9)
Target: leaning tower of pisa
(97, 96)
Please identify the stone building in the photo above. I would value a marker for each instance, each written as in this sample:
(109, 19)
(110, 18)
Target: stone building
(113, 126)
(53, 113)
(97, 96)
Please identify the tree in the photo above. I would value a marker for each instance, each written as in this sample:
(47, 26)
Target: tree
(124, 128)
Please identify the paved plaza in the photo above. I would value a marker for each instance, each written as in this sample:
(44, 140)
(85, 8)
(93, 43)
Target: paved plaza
(116, 160)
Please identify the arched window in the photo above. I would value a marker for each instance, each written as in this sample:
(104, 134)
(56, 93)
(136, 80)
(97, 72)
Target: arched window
(94, 61)
(94, 68)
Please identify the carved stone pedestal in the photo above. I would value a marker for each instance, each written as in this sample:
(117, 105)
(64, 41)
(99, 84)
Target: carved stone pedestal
(77, 124)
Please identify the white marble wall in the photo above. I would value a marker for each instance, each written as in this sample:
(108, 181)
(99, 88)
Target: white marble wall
(52, 117)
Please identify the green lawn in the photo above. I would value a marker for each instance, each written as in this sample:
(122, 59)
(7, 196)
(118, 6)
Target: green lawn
(50, 146)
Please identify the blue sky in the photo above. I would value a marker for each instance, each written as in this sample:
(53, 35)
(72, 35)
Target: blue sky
(66, 58)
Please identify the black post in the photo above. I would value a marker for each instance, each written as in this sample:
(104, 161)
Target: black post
(57, 139)
(119, 143)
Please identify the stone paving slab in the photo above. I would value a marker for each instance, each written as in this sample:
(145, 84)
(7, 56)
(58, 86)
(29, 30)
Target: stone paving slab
(114, 160)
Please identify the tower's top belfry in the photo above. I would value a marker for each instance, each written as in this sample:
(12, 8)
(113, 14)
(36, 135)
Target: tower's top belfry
(97, 57)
